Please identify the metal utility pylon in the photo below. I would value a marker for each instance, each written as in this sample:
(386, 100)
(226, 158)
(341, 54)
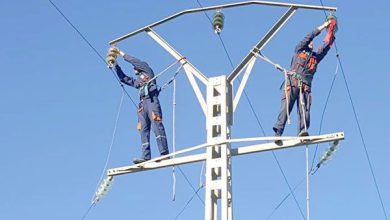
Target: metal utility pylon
(218, 156)
(218, 108)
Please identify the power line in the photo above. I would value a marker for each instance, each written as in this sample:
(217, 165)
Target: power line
(359, 128)
(124, 90)
(188, 202)
(324, 110)
(256, 116)
(189, 183)
(87, 212)
(111, 144)
(363, 140)
(284, 199)
(91, 46)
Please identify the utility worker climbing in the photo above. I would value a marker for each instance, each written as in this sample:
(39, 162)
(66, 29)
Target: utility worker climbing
(299, 79)
(149, 110)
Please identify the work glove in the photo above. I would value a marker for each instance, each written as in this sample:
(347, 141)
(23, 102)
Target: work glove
(279, 67)
(333, 24)
(324, 25)
(332, 29)
(116, 51)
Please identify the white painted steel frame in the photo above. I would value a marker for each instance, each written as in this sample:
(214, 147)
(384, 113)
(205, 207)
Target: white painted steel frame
(287, 143)
(190, 69)
(277, 26)
(244, 80)
(219, 110)
(231, 5)
(218, 156)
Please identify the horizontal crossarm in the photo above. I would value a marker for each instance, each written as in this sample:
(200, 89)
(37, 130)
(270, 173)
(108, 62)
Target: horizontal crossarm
(295, 142)
(289, 143)
(230, 5)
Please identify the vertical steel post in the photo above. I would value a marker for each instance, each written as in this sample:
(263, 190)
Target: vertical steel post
(218, 166)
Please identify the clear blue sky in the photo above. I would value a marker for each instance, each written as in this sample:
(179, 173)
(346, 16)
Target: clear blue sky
(59, 104)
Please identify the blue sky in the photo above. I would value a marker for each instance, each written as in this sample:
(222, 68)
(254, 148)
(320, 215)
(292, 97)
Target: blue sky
(59, 104)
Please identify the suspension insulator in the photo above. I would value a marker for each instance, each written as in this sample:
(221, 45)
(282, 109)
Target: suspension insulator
(103, 189)
(112, 54)
(218, 22)
(113, 50)
(329, 153)
(110, 59)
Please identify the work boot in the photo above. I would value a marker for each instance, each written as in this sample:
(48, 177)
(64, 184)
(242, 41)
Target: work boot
(303, 133)
(139, 160)
(278, 142)
(165, 158)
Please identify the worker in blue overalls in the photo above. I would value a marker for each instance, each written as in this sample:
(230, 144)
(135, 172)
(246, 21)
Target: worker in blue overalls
(149, 110)
(299, 79)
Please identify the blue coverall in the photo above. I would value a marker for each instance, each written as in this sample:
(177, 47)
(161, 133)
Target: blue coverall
(149, 111)
(303, 66)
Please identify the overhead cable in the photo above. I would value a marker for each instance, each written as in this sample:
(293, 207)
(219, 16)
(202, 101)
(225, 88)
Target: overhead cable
(255, 115)
(359, 128)
(92, 47)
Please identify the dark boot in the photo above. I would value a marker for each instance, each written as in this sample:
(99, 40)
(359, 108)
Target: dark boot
(303, 133)
(139, 160)
(278, 134)
(165, 158)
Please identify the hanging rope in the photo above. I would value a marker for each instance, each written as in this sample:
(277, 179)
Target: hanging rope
(166, 69)
(286, 78)
(174, 138)
(201, 180)
(172, 79)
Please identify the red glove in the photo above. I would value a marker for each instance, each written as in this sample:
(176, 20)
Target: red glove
(331, 30)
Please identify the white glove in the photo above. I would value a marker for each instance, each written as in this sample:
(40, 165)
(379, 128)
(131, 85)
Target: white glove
(279, 67)
(324, 25)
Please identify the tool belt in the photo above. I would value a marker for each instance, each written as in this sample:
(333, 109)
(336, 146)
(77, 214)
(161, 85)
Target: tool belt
(299, 77)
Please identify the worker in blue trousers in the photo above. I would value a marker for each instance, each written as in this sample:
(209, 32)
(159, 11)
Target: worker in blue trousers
(149, 110)
(299, 79)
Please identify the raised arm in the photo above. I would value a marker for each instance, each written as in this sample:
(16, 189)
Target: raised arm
(139, 64)
(329, 38)
(322, 51)
(303, 44)
(126, 79)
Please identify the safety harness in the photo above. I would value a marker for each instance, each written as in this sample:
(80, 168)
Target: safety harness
(144, 89)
